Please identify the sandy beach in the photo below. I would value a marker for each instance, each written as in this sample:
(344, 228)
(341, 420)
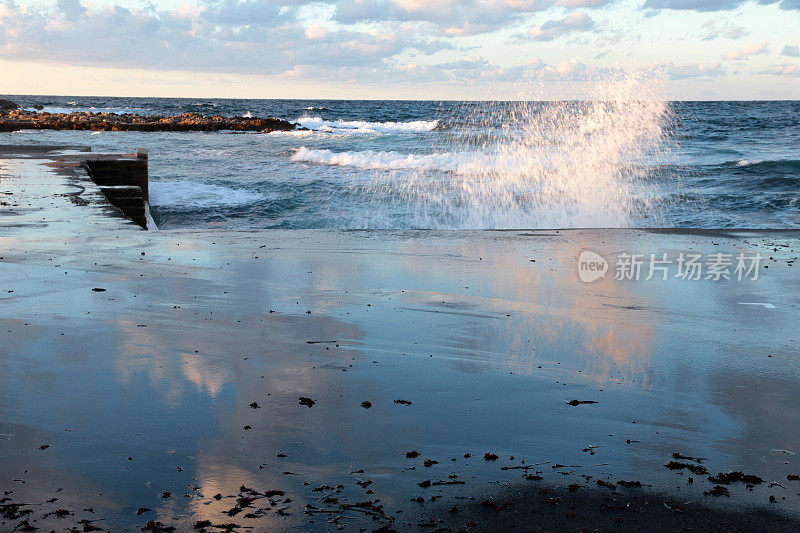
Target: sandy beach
(320, 379)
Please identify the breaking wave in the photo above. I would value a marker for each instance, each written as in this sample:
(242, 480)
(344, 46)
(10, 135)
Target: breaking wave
(561, 164)
(194, 194)
(362, 126)
(459, 163)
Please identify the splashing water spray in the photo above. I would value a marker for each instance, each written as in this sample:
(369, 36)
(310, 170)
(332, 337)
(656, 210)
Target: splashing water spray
(542, 164)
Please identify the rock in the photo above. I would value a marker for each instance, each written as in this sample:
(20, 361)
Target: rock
(7, 105)
(20, 119)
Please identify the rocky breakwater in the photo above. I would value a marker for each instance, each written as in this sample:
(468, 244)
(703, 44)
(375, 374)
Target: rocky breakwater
(20, 119)
(7, 105)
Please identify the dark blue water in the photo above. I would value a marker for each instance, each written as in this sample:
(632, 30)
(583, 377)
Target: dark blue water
(405, 164)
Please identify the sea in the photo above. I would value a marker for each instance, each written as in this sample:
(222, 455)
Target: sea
(354, 164)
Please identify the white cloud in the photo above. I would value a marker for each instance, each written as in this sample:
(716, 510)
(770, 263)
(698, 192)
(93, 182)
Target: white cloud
(315, 31)
(242, 12)
(555, 28)
(747, 50)
(693, 70)
(460, 16)
(71, 8)
(714, 5)
(382, 41)
(244, 36)
(583, 3)
(784, 70)
(715, 29)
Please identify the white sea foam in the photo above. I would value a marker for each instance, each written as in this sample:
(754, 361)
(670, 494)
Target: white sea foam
(185, 193)
(459, 163)
(748, 162)
(362, 126)
(292, 133)
(59, 110)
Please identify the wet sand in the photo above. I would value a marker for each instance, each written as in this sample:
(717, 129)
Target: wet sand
(252, 378)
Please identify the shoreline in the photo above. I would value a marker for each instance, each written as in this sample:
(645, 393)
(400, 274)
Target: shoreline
(134, 359)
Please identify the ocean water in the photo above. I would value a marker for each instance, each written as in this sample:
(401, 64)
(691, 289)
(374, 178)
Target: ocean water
(614, 162)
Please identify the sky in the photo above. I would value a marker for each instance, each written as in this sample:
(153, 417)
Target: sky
(408, 49)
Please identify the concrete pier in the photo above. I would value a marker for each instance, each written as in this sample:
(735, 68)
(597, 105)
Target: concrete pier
(124, 181)
(121, 178)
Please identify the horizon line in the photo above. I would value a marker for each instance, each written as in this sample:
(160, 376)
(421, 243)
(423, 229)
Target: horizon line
(510, 100)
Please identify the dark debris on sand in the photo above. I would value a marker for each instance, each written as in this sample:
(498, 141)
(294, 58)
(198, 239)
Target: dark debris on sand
(596, 505)
(304, 400)
(562, 509)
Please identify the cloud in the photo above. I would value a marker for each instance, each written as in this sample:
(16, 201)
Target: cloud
(242, 36)
(584, 3)
(71, 8)
(458, 17)
(784, 70)
(452, 17)
(694, 5)
(714, 5)
(360, 41)
(242, 12)
(315, 31)
(750, 49)
(716, 29)
(555, 28)
(474, 70)
(791, 51)
(693, 70)
(569, 69)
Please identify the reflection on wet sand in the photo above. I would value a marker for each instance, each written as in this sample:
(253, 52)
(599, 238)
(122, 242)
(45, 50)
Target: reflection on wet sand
(542, 319)
(181, 381)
